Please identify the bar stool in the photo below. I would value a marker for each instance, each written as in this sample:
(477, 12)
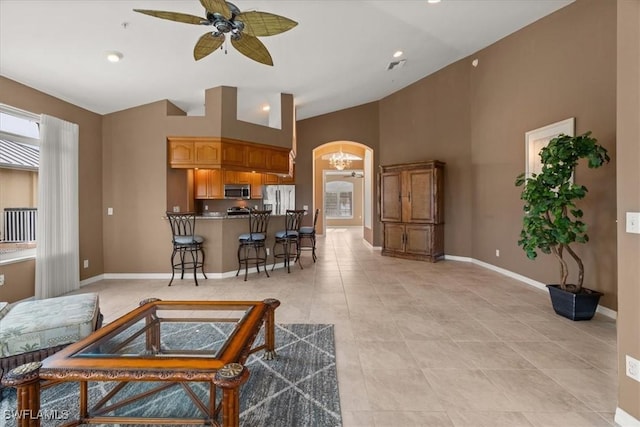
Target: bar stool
(287, 238)
(185, 241)
(254, 240)
(307, 237)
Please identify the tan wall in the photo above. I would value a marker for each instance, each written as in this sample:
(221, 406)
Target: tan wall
(18, 188)
(628, 192)
(474, 119)
(19, 281)
(561, 66)
(357, 124)
(90, 171)
(430, 120)
(140, 187)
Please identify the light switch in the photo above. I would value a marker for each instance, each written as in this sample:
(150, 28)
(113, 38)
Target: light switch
(109, 211)
(633, 222)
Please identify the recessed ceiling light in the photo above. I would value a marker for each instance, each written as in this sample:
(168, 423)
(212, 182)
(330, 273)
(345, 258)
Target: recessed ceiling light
(266, 108)
(433, 1)
(398, 53)
(114, 56)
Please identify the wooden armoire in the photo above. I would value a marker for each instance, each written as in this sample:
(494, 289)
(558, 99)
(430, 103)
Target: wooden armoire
(412, 210)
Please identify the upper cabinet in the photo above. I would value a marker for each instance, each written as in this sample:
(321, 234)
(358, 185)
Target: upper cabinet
(207, 153)
(197, 152)
(181, 153)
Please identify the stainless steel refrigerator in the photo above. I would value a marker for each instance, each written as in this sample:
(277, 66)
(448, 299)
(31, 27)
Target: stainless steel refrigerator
(279, 198)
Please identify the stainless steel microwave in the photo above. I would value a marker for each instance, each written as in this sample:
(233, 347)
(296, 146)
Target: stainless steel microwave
(237, 191)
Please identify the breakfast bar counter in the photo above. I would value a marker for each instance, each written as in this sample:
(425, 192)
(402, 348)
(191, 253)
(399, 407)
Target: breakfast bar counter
(220, 233)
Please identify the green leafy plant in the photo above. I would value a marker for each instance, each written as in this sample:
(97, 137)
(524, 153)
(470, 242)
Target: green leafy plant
(552, 222)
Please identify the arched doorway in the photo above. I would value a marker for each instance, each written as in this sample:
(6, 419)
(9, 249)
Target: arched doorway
(353, 207)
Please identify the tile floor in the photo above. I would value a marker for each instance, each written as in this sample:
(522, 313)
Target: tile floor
(421, 344)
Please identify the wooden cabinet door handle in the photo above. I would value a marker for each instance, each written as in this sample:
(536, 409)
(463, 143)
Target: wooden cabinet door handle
(409, 196)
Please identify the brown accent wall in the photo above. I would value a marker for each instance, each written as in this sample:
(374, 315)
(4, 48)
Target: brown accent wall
(561, 66)
(90, 172)
(139, 186)
(475, 119)
(19, 281)
(357, 124)
(430, 120)
(628, 196)
(18, 188)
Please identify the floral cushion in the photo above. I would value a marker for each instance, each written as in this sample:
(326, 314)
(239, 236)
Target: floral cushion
(4, 309)
(40, 324)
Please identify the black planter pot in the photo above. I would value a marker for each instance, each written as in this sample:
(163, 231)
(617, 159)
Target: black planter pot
(574, 306)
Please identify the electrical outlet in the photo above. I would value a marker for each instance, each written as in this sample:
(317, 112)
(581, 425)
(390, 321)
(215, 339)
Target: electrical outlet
(1, 279)
(632, 367)
(267, 251)
(498, 252)
(85, 264)
(176, 208)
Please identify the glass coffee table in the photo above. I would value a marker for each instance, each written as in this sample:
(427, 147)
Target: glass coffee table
(165, 343)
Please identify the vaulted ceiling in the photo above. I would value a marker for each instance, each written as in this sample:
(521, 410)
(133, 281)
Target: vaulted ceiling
(337, 56)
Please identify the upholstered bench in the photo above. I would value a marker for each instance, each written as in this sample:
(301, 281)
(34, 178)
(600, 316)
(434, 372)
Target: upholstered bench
(33, 330)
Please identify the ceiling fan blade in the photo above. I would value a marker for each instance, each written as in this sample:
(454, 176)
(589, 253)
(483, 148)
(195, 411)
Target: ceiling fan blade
(173, 16)
(252, 48)
(217, 6)
(261, 24)
(207, 44)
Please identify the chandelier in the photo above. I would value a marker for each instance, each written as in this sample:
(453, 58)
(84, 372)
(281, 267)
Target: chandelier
(340, 160)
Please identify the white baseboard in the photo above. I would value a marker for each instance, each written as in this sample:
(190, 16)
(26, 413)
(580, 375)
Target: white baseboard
(91, 280)
(623, 419)
(167, 276)
(602, 310)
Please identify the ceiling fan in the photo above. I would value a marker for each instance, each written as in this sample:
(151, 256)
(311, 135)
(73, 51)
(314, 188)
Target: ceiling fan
(244, 28)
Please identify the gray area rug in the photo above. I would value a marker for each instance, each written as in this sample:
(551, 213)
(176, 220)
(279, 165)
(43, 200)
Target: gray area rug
(299, 388)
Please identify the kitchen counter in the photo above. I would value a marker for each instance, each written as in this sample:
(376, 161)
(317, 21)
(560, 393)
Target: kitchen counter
(221, 241)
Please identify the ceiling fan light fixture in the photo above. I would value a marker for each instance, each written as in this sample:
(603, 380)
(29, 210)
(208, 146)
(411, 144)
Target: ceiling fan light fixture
(244, 28)
(114, 56)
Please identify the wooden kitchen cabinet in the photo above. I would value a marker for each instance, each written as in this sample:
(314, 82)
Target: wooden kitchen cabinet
(279, 161)
(273, 179)
(256, 185)
(237, 177)
(234, 154)
(411, 210)
(225, 153)
(208, 184)
(187, 153)
(181, 153)
(207, 153)
(270, 179)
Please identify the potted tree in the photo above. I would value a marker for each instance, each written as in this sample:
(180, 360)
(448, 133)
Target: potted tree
(552, 222)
